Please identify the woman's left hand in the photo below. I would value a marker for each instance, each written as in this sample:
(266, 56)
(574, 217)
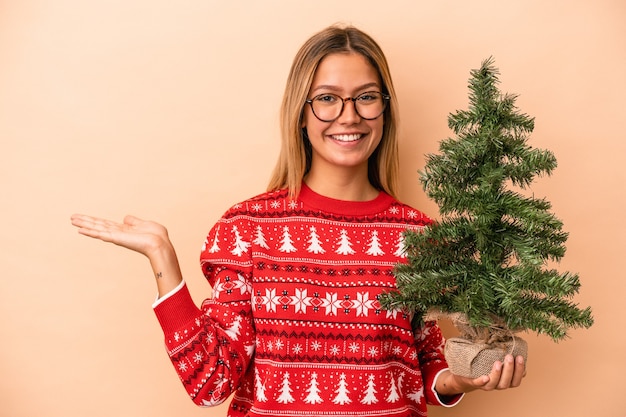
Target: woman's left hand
(503, 375)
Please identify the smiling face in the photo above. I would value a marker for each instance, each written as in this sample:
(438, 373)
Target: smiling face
(344, 145)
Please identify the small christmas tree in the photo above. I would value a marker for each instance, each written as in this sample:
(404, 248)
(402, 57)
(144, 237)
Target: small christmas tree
(485, 263)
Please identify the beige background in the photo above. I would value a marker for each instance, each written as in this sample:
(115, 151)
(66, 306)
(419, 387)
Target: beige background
(169, 111)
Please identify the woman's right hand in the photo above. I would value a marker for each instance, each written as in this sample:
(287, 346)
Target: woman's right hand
(146, 237)
(143, 236)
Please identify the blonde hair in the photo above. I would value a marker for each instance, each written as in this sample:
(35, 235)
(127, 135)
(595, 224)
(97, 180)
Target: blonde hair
(294, 160)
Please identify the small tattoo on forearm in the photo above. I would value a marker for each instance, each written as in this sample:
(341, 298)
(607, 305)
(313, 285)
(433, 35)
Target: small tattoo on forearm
(159, 275)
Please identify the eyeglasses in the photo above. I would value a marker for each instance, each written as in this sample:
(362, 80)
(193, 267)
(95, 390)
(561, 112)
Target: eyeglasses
(328, 107)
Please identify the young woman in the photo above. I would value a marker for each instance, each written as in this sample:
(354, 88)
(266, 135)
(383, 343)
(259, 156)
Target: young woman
(294, 327)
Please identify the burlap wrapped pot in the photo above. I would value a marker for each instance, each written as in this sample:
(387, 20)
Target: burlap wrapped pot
(474, 359)
(477, 349)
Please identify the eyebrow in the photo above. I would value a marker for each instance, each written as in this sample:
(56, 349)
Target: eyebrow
(337, 88)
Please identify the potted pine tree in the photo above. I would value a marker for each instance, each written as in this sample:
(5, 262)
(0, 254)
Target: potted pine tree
(485, 264)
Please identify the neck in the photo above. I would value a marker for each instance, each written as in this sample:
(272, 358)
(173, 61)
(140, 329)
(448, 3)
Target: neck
(349, 186)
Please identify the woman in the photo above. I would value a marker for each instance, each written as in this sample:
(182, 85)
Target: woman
(294, 326)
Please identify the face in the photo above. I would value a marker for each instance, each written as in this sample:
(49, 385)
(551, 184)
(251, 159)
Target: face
(347, 142)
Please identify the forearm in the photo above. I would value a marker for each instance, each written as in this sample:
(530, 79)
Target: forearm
(211, 347)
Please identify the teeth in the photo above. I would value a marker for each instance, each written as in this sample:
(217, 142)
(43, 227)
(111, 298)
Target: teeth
(346, 138)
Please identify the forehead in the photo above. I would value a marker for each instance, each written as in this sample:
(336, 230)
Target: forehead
(345, 71)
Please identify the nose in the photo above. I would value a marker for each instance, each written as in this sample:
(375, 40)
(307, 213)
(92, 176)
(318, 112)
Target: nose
(349, 114)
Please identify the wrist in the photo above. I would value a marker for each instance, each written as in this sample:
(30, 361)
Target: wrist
(165, 267)
(446, 385)
(157, 248)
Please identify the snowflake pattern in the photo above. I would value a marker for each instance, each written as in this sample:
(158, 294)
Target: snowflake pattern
(271, 300)
(278, 344)
(363, 304)
(300, 301)
(373, 351)
(331, 304)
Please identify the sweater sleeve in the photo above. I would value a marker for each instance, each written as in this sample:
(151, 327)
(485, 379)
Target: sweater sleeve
(430, 343)
(212, 345)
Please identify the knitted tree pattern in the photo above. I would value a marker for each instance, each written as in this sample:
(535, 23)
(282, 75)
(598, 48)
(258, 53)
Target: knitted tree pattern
(488, 257)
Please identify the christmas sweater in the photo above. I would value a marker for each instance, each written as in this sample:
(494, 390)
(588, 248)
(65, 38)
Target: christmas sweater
(294, 327)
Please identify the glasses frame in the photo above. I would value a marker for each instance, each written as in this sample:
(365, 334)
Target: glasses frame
(385, 98)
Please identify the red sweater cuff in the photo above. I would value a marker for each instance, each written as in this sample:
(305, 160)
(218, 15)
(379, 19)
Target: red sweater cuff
(177, 310)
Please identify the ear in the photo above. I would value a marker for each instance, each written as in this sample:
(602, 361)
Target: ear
(303, 117)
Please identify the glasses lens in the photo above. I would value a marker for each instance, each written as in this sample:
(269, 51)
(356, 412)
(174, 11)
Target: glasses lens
(328, 107)
(370, 105)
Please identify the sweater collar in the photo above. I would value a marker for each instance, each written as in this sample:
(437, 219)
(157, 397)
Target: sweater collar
(345, 207)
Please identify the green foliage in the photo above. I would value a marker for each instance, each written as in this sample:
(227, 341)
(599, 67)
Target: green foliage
(487, 257)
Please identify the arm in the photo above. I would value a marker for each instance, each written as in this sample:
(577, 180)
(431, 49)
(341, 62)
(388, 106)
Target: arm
(210, 347)
(433, 365)
(207, 346)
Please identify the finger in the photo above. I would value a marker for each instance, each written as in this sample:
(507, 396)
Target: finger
(96, 230)
(506, 376)
(95, 227)
(78, 219)
(84, 220)
(479, 383)
(494, 377)
(96, 234)
(519, 373)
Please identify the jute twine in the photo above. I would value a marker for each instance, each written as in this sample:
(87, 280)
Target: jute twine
(477, 349)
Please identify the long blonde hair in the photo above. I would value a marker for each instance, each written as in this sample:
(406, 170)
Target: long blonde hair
(294, 160)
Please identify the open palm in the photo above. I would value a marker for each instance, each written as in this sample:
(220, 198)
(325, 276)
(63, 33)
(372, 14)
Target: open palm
(142, 236)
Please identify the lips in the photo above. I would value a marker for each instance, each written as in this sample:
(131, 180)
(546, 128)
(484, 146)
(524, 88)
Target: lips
(347, 138)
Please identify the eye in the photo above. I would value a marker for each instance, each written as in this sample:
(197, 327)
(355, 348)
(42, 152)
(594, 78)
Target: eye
(368, 97)
(326, 98)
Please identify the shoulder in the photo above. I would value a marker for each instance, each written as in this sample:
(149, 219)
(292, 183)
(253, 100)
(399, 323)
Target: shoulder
(404, 213)
(269, 201)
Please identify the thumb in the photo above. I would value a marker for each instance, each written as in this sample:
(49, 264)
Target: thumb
(481, 381)
(132, 220)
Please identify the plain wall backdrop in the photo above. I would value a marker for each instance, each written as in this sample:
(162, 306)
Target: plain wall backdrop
(169, 111)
